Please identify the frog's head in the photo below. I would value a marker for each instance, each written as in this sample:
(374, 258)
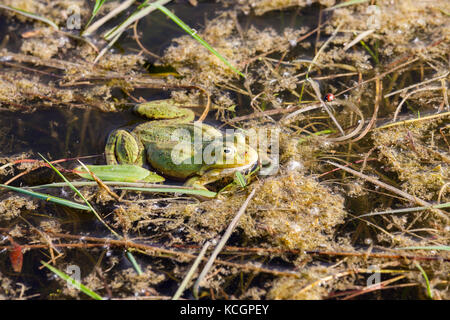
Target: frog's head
(231, 153)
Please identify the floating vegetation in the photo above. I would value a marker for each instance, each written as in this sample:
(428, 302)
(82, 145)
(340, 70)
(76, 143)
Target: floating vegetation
(355, 92)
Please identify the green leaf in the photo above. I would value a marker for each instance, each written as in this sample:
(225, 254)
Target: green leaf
(240, 179)
(186, 28)
(424, 274)
(30, 15)
(74, 282)
(47, 197)
(119, 172)
(133, 261)
(98, 5)
(198, 192)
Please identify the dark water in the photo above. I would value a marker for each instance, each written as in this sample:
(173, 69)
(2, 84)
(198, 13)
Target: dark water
(59, 132)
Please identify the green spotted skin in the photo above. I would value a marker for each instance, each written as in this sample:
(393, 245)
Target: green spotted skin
(158, 143)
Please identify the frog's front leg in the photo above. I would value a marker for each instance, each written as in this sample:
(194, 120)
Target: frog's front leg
(199, 182)
(123, 148)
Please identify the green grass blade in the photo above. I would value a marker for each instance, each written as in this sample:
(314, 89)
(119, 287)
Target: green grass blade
(240, 179)
(97, 6)
(198, 192)
(374, 56)
(48, 198)
(138, 14)
(146, 8)
(110, 15)
(30, 15)
(186, 28)
(133, 261)
(74, 282)
(135, 186)
(424, 274)
(80, 195)
(445, 248)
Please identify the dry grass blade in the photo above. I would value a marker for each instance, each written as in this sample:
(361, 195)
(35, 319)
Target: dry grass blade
(315, 86)
(222, 242)
(346, 4)
(100, 183)
(30, 15)
(359, 38)
(110, 15)
(403, 122)
(138, 14)
(381, 184)
(378, 91)
(417, 84)
(189, 275)
(399, 107)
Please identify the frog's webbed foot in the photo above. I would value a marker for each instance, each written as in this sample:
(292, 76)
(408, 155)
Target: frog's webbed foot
(123, 148)
(197, 183)
(204, 178)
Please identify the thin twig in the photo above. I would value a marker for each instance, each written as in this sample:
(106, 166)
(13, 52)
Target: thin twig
(222, 242)
(316, 89)
(107, 17)
(191, 272)
(416, 85)
(378, 91)
(136, 38)
(397, 111)
(381, 184)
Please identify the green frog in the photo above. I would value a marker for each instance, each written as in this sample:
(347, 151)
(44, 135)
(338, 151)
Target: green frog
(179, 148)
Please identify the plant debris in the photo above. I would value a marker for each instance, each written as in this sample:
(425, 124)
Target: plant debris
(309, 231)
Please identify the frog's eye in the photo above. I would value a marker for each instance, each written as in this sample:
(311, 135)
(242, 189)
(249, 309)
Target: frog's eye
(229, 151)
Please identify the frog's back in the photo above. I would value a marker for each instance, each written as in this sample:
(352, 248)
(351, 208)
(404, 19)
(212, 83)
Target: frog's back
(163, 133)
(176, 151)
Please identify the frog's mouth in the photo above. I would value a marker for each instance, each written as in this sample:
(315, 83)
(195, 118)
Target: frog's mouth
(251, 161)
(243, 169)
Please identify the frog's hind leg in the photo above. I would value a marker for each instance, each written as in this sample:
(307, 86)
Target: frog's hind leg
(165, 110)
(122, 147)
